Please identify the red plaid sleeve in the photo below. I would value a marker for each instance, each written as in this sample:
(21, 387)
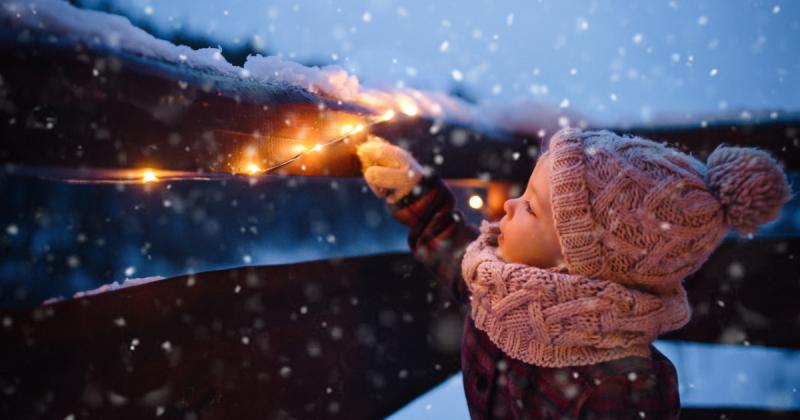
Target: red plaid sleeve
(438, 234)
(650, 392)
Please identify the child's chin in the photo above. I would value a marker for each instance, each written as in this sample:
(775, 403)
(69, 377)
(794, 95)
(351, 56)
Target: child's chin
(500, 253)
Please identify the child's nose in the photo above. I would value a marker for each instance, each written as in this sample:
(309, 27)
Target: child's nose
(508, 206)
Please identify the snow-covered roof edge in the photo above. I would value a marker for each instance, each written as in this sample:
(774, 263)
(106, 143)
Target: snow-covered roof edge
(108, 31)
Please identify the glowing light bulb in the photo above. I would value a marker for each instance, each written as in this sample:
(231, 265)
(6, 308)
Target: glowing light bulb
(409, 108)
(253, 169)
(299, 148)
(475, 201)
(388, 115)
(317, 148)
(346, 129)
(149, 176)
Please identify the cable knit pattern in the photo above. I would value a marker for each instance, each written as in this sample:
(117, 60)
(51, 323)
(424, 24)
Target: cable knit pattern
(553, 319)
(641, 213)
(571, 205)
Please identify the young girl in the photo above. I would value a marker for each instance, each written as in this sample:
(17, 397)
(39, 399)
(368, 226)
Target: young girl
(584, 271)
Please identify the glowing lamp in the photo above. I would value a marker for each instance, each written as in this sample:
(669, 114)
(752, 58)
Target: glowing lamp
(475, 201)
(149, 176)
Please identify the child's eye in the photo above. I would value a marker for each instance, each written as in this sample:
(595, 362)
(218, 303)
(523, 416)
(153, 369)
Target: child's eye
(529, 208)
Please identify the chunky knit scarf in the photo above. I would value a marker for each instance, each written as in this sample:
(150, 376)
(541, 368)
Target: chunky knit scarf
(554, 319)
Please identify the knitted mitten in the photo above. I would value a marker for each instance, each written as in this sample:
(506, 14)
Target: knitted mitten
(390, 171)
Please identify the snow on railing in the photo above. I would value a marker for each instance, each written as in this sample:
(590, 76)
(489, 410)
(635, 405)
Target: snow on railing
(117, 32)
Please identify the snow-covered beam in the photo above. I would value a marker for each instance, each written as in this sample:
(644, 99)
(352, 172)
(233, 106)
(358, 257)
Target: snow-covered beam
(68, 105)
(84, 89)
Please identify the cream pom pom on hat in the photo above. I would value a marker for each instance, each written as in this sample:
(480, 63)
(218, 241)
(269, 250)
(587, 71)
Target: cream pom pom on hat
(647, 215)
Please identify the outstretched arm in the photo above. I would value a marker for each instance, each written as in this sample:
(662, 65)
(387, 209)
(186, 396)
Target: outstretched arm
(438, 233)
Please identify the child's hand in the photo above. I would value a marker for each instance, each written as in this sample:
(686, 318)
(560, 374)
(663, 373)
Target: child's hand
(390, 171)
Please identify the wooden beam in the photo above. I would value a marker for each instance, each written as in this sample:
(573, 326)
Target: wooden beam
(71, 106)
(328, 339)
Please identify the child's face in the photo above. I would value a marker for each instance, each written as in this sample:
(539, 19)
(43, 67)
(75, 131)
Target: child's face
(528, 233)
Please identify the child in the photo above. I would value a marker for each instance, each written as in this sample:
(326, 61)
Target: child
(584, 271)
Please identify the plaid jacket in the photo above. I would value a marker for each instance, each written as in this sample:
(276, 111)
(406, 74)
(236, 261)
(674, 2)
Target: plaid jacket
(498, 386)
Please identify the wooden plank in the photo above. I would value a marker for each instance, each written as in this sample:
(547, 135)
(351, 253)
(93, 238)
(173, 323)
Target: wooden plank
(357, 338)
(781, 137)
(746, 293)
(67, 105)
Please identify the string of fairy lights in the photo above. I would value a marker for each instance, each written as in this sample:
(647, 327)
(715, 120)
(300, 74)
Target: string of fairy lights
(251, 168)
(346, 132)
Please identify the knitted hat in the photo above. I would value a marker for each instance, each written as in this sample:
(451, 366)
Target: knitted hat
(646, 215)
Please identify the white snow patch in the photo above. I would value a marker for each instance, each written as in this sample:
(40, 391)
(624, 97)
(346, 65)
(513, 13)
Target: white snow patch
(107, 288)
(103, 29)
(331, 80)
(116, 286)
